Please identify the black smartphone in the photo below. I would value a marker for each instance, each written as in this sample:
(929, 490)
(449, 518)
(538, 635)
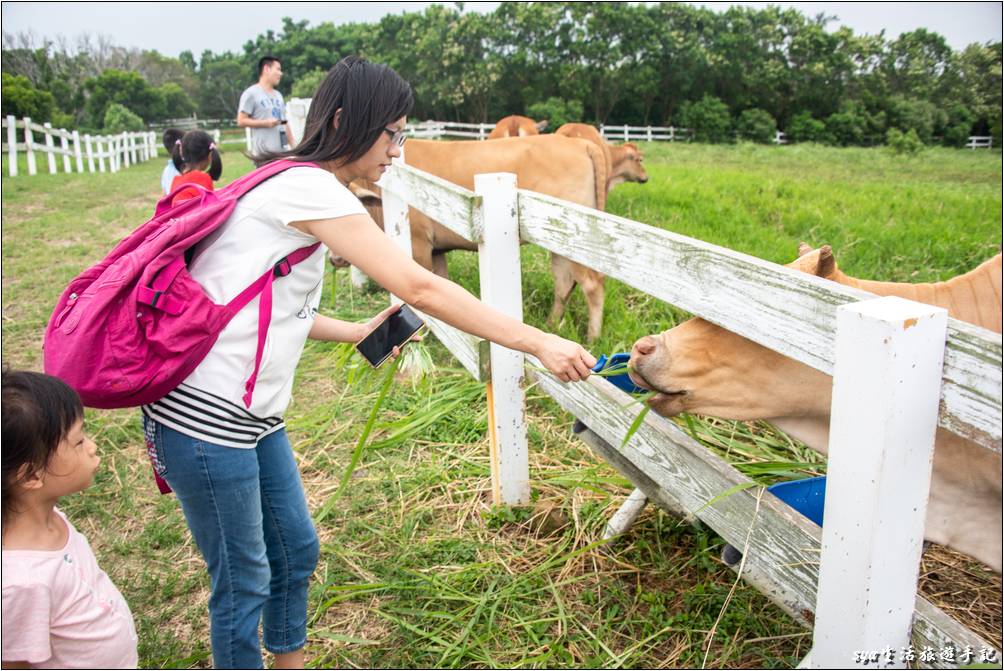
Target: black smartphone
(394, 331)
(283, 122)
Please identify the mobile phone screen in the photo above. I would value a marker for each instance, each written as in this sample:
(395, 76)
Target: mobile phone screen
(392, 332)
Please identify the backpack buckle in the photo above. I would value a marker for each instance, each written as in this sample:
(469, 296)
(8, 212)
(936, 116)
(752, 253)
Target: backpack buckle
(282, 268)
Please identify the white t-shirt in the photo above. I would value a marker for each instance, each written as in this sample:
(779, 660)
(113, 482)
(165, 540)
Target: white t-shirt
(61, 611)
(257, 235)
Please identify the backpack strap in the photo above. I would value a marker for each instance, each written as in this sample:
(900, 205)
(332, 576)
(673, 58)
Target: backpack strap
(263, 287)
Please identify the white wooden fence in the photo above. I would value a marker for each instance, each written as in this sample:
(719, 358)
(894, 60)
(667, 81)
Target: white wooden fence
(804, 317)
(980, 142)
(76, 151)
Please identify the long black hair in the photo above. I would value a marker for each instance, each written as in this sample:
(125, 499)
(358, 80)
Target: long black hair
(38, 412)
(369, 95)
(195, 147)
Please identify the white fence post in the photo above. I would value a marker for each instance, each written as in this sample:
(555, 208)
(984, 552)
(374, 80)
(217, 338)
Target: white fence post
(649, 129)
(395, 223)
(50, 148)
(501, 288)
(76, 151)
(28, 142)
(65, 145)
(247, 139)
(132, 147)
(124, 149)
(89, 147)
(625, 132)
(886, 390)
(101, 153)
(11, 145)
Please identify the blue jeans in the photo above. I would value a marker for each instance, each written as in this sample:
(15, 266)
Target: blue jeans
(248, 514)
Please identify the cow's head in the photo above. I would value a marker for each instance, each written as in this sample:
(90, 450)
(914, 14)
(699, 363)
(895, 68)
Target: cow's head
(630, 168)
(702, 368)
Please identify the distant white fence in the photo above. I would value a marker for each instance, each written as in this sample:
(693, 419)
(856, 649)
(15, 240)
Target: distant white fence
(980, 142)
(95, 151)
(804, 317)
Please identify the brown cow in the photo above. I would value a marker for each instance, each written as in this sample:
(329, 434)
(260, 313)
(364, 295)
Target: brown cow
(624, 162)
(701, 368)
(517, 126)
(566, 168)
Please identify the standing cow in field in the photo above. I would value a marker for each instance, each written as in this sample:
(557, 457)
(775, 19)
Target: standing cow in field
(624, 162)
(517, 126)
(566, 168)
(701, 368)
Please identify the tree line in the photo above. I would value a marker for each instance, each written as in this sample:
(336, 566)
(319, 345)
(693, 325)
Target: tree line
(740, 72)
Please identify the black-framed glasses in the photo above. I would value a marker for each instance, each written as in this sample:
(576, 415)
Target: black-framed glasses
(396, 136)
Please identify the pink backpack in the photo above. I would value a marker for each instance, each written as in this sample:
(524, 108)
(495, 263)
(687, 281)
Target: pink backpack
(131, 328)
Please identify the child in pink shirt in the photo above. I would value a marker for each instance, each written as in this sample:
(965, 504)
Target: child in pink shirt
(60, 610)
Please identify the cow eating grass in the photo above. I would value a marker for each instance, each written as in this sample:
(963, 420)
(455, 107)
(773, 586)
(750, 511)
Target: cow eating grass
(701, 368)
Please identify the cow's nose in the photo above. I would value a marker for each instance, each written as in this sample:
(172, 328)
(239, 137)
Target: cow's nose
(644, 346)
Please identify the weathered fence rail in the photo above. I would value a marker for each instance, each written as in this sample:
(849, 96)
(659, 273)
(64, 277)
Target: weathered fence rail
(791, 312)
(94, 152)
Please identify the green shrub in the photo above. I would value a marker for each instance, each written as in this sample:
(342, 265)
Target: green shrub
(119, 118)
(708, 119)
(903, 143)
(959, 126)
(557, 111)
(804, 128)
(306, 84)
(21, 99)
(756, 125)
(918, 115)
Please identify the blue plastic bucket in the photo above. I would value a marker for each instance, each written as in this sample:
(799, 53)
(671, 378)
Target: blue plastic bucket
(623, 381)
(806, 496)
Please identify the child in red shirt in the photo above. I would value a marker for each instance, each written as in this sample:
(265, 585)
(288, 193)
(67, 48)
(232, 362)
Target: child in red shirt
(194, 155)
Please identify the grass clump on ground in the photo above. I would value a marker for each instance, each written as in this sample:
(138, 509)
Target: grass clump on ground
(417, 568)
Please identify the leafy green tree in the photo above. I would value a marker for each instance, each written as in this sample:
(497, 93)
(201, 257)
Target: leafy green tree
(904, 143)
(306, 85)
(756, 125)
(22, 99)
(125, 88)
(222, 79)
(708, 118)
(174, 102)
(805, 128)
(557, 112)
(119, 118)
(921, 116)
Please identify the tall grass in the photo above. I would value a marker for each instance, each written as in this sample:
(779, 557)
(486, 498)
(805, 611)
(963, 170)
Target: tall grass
(418, 569)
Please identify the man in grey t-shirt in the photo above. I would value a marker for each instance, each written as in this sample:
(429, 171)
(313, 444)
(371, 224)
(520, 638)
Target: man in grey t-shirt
(263, 111)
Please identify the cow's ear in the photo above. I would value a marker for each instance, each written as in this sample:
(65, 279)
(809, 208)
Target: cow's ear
(541, 125)
(827, 264)
(803, 249)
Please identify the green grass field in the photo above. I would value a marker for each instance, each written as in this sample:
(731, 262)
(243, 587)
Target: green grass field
(417, 568)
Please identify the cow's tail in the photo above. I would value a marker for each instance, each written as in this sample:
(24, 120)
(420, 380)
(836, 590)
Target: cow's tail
(599, 174)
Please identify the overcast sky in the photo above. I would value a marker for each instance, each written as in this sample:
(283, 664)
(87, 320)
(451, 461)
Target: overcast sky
(173, 27)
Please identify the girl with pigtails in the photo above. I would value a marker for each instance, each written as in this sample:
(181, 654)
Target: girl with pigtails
(198, 160)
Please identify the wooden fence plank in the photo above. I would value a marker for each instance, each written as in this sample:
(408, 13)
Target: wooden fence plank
(453, 206)
(788, 311)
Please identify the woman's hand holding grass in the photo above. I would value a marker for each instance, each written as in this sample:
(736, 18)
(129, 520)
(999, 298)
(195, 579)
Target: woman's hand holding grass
(567, 360)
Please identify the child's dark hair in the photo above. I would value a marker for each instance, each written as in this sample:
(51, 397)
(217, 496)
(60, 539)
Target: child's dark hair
(38, 412)
(196, 146)
(370, 96)
(171, 137)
